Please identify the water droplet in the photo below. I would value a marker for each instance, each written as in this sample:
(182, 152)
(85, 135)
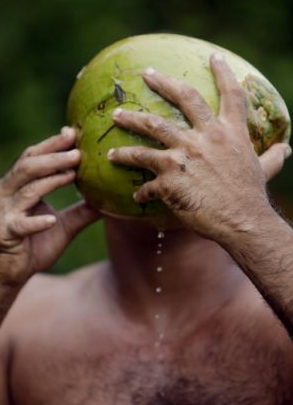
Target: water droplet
(157, 316)
(160, 245)
(157, 343)
(158, 290)
(159, 269)
(161, 336)
(161, 235)
(159, 252)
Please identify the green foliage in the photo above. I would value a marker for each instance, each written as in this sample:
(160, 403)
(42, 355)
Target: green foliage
(43, 45)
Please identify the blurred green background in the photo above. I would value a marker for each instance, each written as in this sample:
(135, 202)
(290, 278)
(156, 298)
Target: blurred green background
(44, 44)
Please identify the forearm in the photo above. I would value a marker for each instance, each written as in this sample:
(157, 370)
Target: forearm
(264, 250)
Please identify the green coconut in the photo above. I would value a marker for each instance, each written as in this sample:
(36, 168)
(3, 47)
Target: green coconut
(114, 79)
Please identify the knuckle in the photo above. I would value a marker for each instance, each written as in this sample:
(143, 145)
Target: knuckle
(29, 151)
(217, 133)
(28, 192)
(16, 226)
(144, 192)
(153, 122)
(23, 165)
(148, 192)
(163, 128)
(204, 114)
(169, 160)
(137, 154)
(173, 159)
(194, 150)
(237, 91)
(142, 155)
(5, 185)
(189, 93)
(11, 174)
(151, 194)
(166, 190)
(59, 158)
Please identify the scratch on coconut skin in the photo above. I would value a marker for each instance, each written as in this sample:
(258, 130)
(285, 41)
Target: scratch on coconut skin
(106, 133)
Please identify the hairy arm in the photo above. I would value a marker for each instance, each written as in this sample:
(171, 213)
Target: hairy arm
(264, 250)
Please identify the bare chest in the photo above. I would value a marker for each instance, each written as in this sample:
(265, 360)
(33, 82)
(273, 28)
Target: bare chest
(217, 368)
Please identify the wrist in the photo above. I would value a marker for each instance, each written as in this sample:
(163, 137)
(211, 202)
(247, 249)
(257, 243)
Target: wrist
(258, 239)
(250, 223)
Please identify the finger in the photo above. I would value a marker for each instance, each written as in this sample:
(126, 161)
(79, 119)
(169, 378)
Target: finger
(187, 98)
(147, 192)
(55, 143)
(232, 106)
(138, 156)
(30, 168)
(75, 218)
(23, 226)
(29, 195)
(273, 159)
(148, 124)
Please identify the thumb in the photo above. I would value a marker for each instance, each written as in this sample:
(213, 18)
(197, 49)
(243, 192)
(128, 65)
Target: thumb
(273, 159)
(75, 218)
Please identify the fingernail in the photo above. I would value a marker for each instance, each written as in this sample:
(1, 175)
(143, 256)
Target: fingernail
(70, 132)
(51, 220)
(288, 151)
(110, 153)
(117, 112)
(67, 131)
(218, 56)
(149, 71)
(135, 195)
(74, 153)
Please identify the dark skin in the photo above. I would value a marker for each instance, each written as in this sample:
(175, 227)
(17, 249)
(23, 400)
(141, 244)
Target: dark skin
(90, 337)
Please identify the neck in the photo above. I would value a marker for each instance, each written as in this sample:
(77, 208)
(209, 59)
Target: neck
(189, 270)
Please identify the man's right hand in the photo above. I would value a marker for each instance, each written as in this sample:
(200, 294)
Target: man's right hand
(32, 234)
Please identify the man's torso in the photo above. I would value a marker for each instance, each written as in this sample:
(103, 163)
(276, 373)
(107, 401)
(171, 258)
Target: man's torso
(75, 353)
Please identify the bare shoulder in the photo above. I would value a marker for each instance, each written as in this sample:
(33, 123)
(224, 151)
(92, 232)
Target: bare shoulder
(46, 295)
